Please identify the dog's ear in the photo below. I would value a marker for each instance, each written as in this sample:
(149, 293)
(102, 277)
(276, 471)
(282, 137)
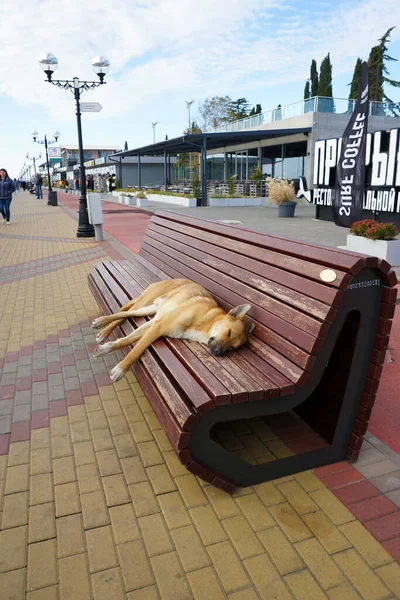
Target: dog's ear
(240, 311)
(249, 328)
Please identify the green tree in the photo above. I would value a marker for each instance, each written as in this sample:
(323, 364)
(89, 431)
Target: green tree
(307, 90)
(378, 71)
(314, 78)
(125, 146)
(238, 109)
(256, 110)
(214, 112)
(355, 82)
(325, 78)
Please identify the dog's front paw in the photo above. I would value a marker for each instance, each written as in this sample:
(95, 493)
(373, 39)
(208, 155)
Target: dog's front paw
(101, 337)
(104, 349)
(117, 373)
(99, 322)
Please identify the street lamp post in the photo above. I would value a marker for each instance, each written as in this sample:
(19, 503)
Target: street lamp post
(188, 105)
(154, 131)
(48, 63)
(33, 159)
(46, 142)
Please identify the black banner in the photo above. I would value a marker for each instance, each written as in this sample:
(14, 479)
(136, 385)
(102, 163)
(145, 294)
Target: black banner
(350, 176)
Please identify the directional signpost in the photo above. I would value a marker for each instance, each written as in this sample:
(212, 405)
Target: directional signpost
(90, 107)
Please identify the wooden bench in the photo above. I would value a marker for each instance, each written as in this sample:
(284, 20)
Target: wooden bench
(309, 372)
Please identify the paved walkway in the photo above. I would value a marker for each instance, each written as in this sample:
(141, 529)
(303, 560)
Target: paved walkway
(93, 502)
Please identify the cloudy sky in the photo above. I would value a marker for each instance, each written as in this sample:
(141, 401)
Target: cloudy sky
(165, 52)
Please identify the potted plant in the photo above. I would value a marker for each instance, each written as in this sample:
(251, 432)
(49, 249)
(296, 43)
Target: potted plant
(141, 200)
(375, 239)
(282, 193)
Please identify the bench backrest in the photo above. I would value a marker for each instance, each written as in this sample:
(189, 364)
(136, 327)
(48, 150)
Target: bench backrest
(292, 305)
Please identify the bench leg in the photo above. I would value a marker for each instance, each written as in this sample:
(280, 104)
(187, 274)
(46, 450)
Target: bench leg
(122, 342)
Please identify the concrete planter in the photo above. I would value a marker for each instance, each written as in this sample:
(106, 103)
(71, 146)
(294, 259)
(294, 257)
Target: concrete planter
(128, 200)
(142, 202)
(286, 209)
(179, 200)
(241, 201)
(389, 251)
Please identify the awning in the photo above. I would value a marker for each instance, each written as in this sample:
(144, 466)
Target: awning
(194, 142)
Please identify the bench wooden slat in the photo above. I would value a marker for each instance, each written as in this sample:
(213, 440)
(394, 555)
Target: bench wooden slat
(191, 388)
(312, 297)
(343, 261)
(297, 266)
(282, 383)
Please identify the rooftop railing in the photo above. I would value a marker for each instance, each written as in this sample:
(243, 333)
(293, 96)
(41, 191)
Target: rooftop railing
(317, 104)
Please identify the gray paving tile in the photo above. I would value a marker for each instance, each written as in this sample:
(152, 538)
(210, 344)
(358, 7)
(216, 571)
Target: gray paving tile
(70, 372)
(39, 387)
(72, 383)
(22, 412)
(377, 468)
(55, 379)
(40, 402)
(394, 497)
(24, 397)
(54, 356)
(83, 364)
(387, 482)
(39, 363)
(57, 392)
(9, 379)
(5, 424)
(40, 353)
(65, 350)
(53, 347)
(6, 407)
(25, 360)
(86, 376)
(24, 371)
(64, 342)
(10, 368)
(368, 456)
(101, 367)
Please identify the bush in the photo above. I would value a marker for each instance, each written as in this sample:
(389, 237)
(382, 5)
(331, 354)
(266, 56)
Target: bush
(280, 190)
(196, 184)
(256, 174)
(231, 186)
(141, 194)
(373, 230)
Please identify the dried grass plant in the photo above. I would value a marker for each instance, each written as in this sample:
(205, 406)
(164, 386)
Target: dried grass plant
(280, 190)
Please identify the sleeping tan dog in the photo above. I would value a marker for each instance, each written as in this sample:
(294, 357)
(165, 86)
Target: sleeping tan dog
(182, 309)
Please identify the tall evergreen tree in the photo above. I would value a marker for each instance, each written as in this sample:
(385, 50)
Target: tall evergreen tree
(307, 90)
(378, 71)
(355, 82)
(314, 78)
(325, 78)
(256, 110)
(125, 146)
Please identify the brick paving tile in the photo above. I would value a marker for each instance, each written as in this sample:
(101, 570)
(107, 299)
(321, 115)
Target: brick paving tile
(372, 508)
(386, 527)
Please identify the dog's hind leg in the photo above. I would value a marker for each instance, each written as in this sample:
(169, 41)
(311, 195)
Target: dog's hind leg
(112, 321)
(122, 342)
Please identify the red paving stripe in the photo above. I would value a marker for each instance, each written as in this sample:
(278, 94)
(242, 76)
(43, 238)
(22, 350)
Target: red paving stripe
(356, 492)
(26, 351)
(58, 408)
(75, 397)
(40, 419)
(54, 368)
(4, 443)
(103, 379)
(385, 528)
(343, 478)
(23, 384)
(332, 469)
(7, 392)
(372, 508)
(21, 432)
(393, 547)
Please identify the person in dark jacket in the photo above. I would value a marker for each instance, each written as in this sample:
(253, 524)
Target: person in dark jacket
(39, 184)
(7, 188)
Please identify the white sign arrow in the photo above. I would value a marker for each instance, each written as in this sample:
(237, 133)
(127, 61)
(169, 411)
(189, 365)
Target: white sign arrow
(90, 107)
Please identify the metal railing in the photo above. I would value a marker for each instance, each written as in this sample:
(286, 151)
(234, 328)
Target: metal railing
(317, 104)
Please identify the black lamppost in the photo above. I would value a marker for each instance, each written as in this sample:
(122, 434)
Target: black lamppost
(47, 143)
(48, 63)
(33, 159)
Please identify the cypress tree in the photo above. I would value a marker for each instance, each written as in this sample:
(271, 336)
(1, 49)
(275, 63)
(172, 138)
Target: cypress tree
(378, 71)
(314, 78)
(325, 78)
(355, 82)
(307, 90)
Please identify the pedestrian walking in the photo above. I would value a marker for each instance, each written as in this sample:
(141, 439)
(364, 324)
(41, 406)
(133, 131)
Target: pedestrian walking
(39, 184)
(16, 185)
(7, 188)
(23, 183)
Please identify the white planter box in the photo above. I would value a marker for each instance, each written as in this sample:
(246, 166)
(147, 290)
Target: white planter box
(389, 251)
(142, 202)
(178, 200)
(129, 200)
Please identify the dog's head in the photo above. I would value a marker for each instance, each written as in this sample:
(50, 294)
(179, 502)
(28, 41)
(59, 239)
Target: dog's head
(230, 332)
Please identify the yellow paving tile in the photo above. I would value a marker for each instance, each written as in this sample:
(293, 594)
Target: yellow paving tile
(361, 575)
(40, 438)
(320, 563)
(84, 454)
(174, 465)
(135, 566)
(242, 536)
(13, 584)
(366, 544)
(255, 512)
(190, 549)
(304, 586)
(266, 578)
(125, 446)
(108, 585)
(40, 461)
(155, 535)
(100, 547)
(291, 523)
(64, 470)
(108, 462)
(244, 595)
(15, 510)
(228, 567)
(390, 574)
(143, 499)
(124, 524)
(94, 510)
(133, 470)
(222, 503)
(41, 489)
(169, 577)
(88, 478)
(205, 585)
(160, 479)
(42, 524)
(281, 551)
(173, 510)
(297, 497)
(48, 593)
(269, 493)
(326, 532)
(162, 440)
(61, 445)
(70, 536)
(19, 454)
(42, 565)
(67, 499)
(343, 592)
(13, 548)
(74, 578)
(150, 454)
(17, 479)
(335, 510)
(115, 490)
